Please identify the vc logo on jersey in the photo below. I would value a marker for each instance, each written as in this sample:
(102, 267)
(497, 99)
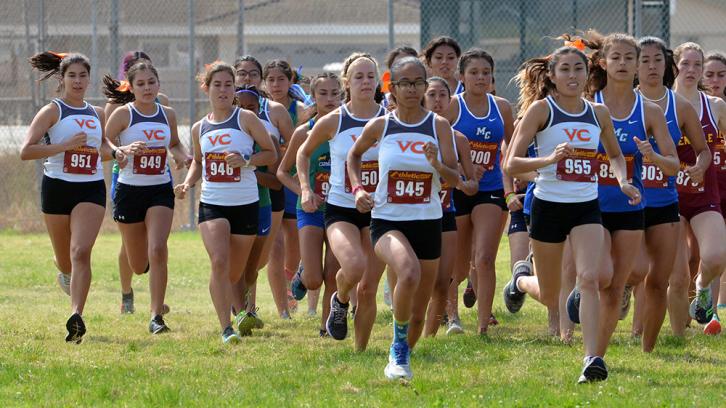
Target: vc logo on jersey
(89, 123)
(223, 139)
(415, 147)
(483, 131)
(582, 135)
(156, 134)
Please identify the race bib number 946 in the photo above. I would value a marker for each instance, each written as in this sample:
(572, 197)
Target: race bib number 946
(218, 170)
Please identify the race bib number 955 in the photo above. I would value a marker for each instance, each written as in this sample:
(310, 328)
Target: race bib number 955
(580, 167)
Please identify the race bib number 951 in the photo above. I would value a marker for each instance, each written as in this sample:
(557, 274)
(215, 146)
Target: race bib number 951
(81, 160)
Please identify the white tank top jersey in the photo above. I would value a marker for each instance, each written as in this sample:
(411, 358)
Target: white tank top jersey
(574, 179)
(409, 186)
(264, 116)
(149, 167)
(81, 164)
(349, 128)
(221, 184)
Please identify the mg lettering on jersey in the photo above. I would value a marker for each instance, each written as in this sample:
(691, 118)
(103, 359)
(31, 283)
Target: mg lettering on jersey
(223, 139)
(483, 131)
(582, 135)
(89, 123)
(415, 147)
(157, 134)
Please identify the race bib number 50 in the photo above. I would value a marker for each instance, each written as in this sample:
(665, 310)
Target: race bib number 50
(151, 161)
(218, 170)
(81, 160)
(409, 187)
(368, 176)
(580, 167)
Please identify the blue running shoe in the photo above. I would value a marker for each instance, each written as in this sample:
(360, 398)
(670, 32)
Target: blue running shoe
(573, 306)
(296, 285)
(594, 370)
(337, 323)
(399, 362)
(702, 306)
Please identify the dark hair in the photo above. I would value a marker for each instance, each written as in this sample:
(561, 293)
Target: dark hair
(131, 58)
(344, 74)
(398, 66)
(598, 77)
(533, 79)
(716, 56)
(248, 58)
(671, 68)
(250, 89)
(440, 80)
(283, 66)
(120, 92)
(472, 54)
(312, 110)
(205, 78)
(398, 51)
(56, 64)
(437, 42)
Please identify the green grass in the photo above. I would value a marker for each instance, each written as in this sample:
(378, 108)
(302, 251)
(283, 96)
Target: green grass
(286, 364)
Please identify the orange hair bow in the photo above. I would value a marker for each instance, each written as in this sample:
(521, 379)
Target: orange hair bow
(60, 55)
(386, 82)
(578, 43)
(208, 66)
(124, 86)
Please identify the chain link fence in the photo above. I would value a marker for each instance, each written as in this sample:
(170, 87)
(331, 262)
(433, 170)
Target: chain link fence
(182, 35)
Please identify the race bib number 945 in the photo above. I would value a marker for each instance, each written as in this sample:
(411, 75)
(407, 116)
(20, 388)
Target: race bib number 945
(151, 161)
(409, 187)
(580, 167)
(368, 176)
(81, 160)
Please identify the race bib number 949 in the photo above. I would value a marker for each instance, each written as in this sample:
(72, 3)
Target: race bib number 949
(151, 161)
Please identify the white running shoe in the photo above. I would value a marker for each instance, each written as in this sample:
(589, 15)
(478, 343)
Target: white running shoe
(454, 327)
(64, 281)
(398, 362)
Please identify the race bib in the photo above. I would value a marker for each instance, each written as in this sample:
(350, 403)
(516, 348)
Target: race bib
(606, 175)
(652, 175)
(368, 176)
(409, 187)
(719, 156)
(322, 184)
(483, 153)
(151, 161)
(217, 170)
(81, 160)
(580, 167)
(684, 184)
(445, 195)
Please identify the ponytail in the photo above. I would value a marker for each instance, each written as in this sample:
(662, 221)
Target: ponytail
(598, 78)
(119, 92)
(533, 81)
(56, 63)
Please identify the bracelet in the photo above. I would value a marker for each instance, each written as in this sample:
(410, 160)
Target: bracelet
(113, 153)
(357, 188)
(509, 197)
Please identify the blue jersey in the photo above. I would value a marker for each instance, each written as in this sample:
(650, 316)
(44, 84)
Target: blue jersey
(660, 190)
(529, 195)
(610, 196)
(485, 136)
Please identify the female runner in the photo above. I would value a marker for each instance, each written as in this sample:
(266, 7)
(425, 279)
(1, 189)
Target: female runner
(441, 56)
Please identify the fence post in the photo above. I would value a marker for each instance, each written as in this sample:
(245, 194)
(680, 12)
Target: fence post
(391, 25)
(192, 100)
(113, 37)
(94, 46)
(240, 28)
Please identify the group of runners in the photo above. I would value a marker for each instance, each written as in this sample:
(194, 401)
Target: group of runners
(609, 171)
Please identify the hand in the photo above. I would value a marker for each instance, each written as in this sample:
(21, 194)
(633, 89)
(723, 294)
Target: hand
(188, 161)
(515, 203)
(562, 151)
(134, 148)
(632, 192)
(121, 158)
(77, 140)
(478, 173)
(518, 184)
(696, 173)
(468, 187)
(363, 201)
(180, 190)
(309, 201)
(645, 148)
(432, 154)
(235, 159)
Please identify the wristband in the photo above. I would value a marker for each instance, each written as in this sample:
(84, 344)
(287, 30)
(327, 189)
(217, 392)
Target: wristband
(113, 153)
(509, 197)
(357, 188)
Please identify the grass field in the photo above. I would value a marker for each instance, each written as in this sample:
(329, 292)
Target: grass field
(286, 364)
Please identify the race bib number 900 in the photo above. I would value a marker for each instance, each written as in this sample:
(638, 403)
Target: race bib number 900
(483, 153)
(580, 167)
(368, 176)
(151, 161)
(81, 160)
(409, 187)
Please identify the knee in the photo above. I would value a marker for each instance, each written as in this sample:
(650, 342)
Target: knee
(408, 276)
(219, 265)
(484, 260)
(158, 251)
(355, 266)
(591, 280)
(714, 260)
(80, 253)
(367, 291)
(654, 285)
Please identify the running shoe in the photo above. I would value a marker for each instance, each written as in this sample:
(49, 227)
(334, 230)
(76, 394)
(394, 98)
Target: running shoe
(245, 322)
(493, 320)
(297, 288)
(513, 297)
(713, 327)
(64, 281)
(127, 303)
(337, 323)
(399, 362)
(573, 305)
(454, 327)
(291, 302)
(702, 306)
(229, 336)
(157, 325)
(312, 312)
(285, 315)
(594, 369)
(469, 295)
(387, 295)
(259, 324)
(444, 320)
(76, 329)
(625, 304)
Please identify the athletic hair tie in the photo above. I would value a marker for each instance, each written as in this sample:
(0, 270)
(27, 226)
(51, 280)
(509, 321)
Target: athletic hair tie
(123, 86)
(578, 43)
(60, 55)
(239, 91)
